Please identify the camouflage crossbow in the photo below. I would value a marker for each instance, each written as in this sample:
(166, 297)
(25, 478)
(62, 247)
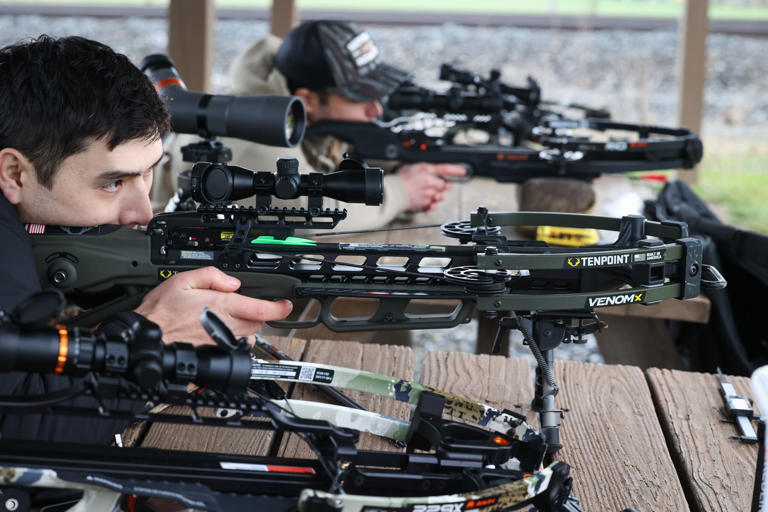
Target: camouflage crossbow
(490, 468)
(523, 136)
(552, 292)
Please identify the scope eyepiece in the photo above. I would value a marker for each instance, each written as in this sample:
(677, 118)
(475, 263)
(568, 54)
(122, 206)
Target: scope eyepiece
(267, 119)
(354, 182)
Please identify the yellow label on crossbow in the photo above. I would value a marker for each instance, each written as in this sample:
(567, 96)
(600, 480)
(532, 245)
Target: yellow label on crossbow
(571, 237)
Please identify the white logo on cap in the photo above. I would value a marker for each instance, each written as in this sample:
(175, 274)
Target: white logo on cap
(362, 49)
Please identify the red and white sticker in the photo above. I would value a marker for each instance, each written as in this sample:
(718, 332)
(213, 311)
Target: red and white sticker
(35, 229)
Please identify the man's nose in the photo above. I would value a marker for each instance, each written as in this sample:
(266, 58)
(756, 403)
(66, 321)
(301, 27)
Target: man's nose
(136, 207)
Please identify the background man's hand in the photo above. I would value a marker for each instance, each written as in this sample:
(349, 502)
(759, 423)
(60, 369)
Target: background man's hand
(425, 184)
(175, 305)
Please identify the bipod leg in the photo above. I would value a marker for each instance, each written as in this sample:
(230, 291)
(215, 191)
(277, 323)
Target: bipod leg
(542, 334)
(544, 404)
(546, 336)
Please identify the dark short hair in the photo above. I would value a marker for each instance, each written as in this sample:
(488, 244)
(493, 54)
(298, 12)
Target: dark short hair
(57, 93)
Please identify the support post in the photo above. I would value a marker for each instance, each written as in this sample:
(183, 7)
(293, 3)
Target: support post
(190, 41)
(283, 17)
(692, 71)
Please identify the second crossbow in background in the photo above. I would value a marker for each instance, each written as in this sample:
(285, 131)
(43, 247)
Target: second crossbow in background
(510, 134)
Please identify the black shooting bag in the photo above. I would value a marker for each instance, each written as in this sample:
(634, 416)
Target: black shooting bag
(735, 338)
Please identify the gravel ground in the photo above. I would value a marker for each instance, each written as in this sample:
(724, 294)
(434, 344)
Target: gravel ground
(633, 74)
(462, 339)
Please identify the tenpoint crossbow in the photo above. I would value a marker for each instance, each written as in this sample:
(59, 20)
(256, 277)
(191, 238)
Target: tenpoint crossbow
(548, 293)
(493, 465)
(510, 134)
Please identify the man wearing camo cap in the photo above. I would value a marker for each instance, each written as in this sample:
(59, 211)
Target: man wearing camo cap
(335, 68)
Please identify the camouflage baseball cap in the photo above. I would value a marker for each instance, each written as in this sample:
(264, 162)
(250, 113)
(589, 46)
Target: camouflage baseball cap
(338, 57)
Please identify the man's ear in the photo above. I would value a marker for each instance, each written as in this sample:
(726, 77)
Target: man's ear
(13, 170)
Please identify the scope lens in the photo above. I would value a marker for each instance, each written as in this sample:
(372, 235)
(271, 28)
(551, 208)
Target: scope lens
(289, 125)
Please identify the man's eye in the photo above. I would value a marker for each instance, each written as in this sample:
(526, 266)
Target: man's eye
(112, 187)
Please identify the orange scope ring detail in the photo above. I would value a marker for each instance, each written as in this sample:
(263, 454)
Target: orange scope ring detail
(63, 350)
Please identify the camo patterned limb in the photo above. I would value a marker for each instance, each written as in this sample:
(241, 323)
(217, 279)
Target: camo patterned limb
(493, 499)
(94, 497)
(486, 416)
(391, 387)
(347, 417)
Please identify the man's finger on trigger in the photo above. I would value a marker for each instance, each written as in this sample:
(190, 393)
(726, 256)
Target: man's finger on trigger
(452, 170)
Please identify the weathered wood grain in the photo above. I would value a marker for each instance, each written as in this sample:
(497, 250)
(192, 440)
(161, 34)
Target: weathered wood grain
(642, 342)
(217, 439)
(496, 380)
(613, 441)
(718, 471)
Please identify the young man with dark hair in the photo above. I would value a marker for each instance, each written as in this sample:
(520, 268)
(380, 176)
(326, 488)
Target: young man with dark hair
(80, 133)
(334, 67)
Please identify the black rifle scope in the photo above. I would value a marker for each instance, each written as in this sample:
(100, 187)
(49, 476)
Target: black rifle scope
(266, 119)
(530, 95)
(137, 353)
(453, 101)
(354, 182)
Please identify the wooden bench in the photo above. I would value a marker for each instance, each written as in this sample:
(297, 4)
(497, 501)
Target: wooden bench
(652, 439)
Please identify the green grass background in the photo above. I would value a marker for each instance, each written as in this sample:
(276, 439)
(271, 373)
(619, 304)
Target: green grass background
(733, 178)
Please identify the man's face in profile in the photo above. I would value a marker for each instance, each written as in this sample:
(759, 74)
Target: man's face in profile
(339, 108)
(94, 186)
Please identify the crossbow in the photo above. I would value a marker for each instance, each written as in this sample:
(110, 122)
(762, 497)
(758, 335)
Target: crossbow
(551, 292)
(489, 466)
(504, 111)
(509, 133)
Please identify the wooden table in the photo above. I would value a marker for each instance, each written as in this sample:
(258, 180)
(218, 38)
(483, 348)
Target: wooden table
(652, 439)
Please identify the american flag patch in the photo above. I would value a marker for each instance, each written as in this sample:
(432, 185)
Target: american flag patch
(36, 229)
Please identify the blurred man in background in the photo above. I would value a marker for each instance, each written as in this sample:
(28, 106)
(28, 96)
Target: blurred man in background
(335, 68)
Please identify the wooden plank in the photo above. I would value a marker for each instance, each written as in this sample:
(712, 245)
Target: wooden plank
(390, 360)
(718, 471)
(692, 71)
(503, 382)
(613, 441)
(190, 41)
(690, 310)
(283, 16)
(218, 439)
(642, 342)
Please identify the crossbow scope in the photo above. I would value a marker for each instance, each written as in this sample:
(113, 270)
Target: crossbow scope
(267, 119)
(138, 353)
(354, 182)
